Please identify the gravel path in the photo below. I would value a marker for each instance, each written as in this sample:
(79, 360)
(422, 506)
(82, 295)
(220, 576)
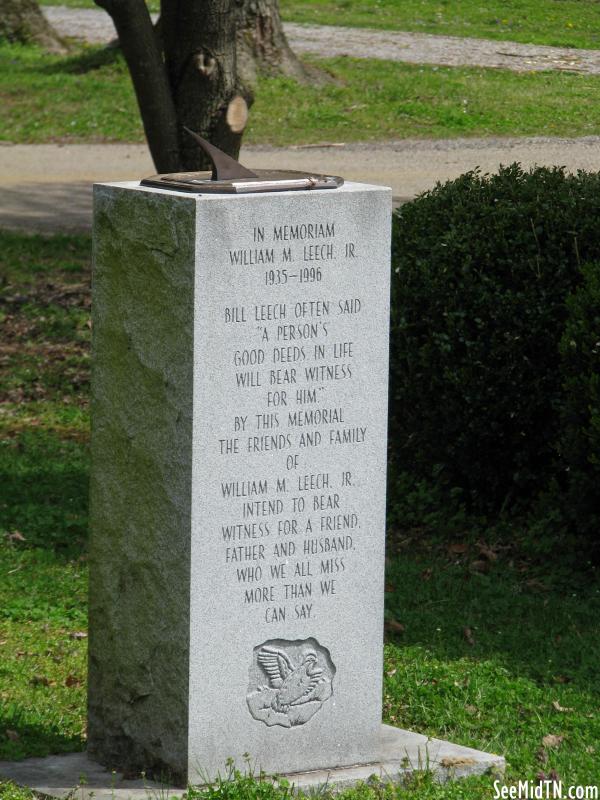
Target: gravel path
(95, 25)
(47, 187)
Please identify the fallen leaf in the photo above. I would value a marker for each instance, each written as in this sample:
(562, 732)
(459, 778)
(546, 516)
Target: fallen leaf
(78, 635)
(16, 536)
(390, 672)
(542, 756)
(393, 626)
(3, 642)
(12, 735)
(72, 681)
(468, 634)
(535, 585)
(458, 548)
(552, 740)
(471, 709)
(389, 588)
(480, 566)
(487, 552)
(557, 707)
(589, 749)
(451, 761)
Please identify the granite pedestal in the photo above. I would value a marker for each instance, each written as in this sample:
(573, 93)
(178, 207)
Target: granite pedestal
(240, 352)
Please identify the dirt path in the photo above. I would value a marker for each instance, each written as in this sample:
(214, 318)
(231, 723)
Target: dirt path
(415, 48)
(48, 187)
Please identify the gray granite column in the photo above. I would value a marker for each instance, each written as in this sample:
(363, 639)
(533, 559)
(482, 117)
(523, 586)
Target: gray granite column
(238, 478)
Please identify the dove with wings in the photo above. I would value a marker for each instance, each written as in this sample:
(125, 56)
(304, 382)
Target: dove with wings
(294, 684)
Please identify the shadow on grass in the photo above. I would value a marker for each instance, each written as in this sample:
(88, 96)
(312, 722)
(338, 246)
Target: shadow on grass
(21, 739)
(44, 482)
(25, 253)
(550, 634)
(86, 59)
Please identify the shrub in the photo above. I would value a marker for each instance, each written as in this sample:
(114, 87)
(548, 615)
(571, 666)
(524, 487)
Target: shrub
(482, 267)
(579, 443)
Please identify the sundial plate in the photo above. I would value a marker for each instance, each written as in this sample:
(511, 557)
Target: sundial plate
(262, 180)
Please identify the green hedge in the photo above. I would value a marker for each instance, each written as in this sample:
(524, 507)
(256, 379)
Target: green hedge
(488, 393)
(579, 443)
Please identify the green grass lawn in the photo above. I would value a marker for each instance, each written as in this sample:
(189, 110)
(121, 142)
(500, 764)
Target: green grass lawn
(88, 97)
(566, 23)
(484, 646)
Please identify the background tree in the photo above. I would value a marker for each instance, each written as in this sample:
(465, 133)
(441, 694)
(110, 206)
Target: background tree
(262, 46)
(196, 69)
(22, 21)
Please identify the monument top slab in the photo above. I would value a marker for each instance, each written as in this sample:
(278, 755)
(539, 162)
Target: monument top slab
(348, 187)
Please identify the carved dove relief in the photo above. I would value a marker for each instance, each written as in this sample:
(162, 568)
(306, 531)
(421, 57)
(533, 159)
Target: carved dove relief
(289, 681)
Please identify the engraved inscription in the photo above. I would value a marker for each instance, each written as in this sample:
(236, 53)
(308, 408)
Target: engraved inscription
(289, 681)
(292, 430)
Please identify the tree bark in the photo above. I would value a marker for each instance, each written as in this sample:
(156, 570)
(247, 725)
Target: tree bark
(144, 59)
(196, 68)
(22, 21)
(199, 40)
(262, 45)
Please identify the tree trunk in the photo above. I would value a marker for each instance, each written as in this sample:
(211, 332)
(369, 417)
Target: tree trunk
(22, 21)
(199, 40)
(261, 43)
(142, 52)
(196, 68)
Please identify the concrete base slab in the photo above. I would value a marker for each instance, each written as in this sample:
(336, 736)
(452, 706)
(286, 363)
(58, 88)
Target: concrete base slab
(402, 753)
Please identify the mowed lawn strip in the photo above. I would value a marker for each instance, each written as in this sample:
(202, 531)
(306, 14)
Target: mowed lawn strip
(499, 658)
(44, 374)
(562, 23)
(88, 97)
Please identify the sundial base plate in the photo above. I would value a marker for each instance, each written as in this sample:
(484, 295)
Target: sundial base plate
(262, 181)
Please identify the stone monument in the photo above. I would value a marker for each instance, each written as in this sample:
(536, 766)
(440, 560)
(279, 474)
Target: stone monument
(240, 348)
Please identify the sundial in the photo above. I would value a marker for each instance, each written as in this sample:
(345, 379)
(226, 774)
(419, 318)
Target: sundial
(228, 176)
